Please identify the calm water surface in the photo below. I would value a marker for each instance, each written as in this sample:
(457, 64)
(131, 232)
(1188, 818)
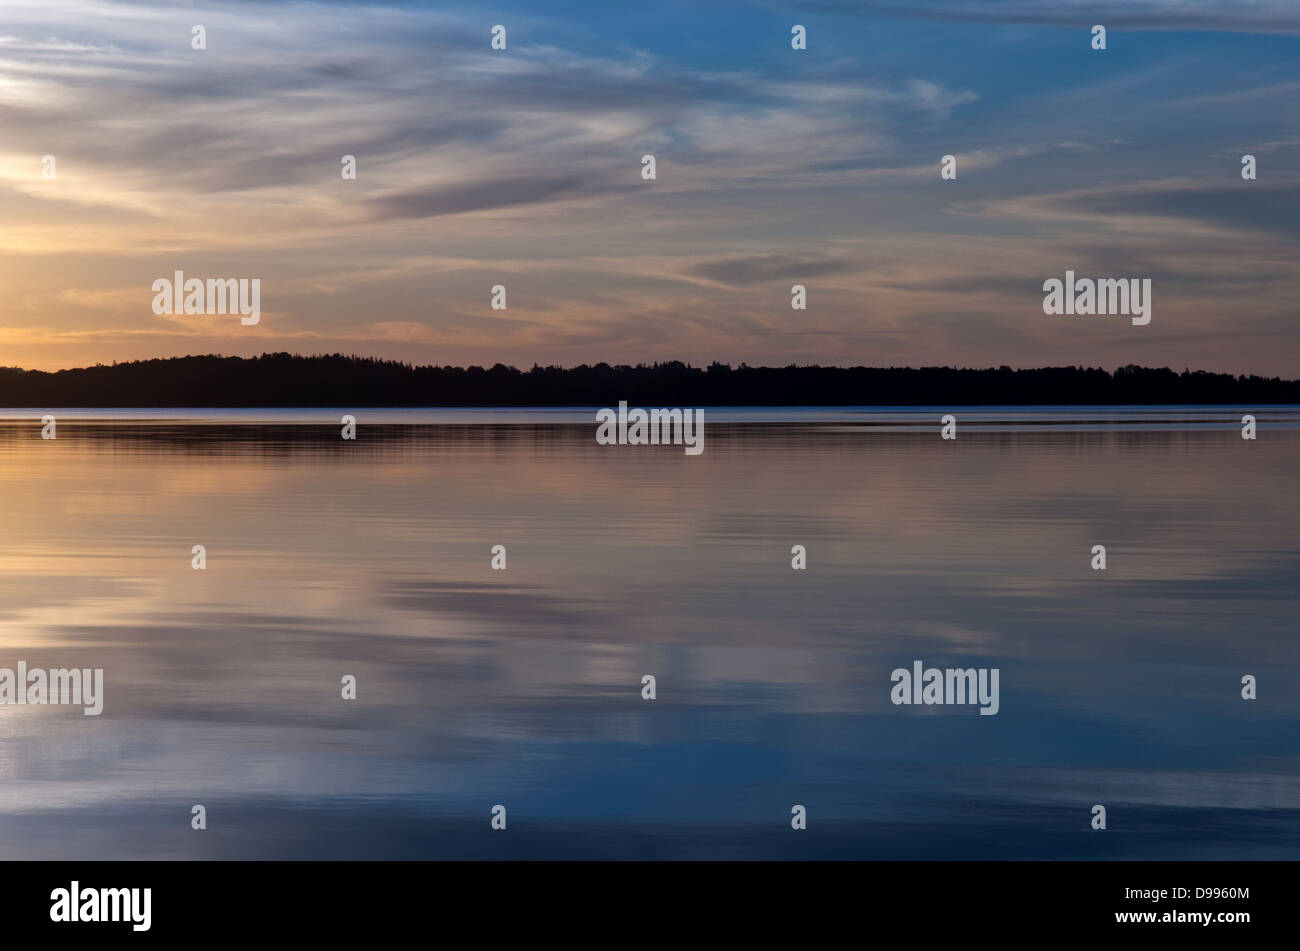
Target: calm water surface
(522, 687)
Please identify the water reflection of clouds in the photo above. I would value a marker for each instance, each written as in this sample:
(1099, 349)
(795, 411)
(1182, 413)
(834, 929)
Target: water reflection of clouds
(224, 685)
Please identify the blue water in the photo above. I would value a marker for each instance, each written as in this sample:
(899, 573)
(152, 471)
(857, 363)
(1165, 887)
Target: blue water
(478, 687)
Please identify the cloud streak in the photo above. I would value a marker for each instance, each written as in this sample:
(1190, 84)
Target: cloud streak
(523, 168)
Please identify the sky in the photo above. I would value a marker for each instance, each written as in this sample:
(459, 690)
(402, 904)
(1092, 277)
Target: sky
(522, 167)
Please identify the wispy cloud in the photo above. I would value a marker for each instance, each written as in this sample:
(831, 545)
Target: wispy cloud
(524, 168)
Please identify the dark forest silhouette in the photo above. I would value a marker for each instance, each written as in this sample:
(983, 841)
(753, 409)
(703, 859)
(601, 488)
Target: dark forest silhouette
(282, 379)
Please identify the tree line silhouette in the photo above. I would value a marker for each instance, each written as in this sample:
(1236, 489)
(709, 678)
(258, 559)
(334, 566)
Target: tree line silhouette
(283, 379)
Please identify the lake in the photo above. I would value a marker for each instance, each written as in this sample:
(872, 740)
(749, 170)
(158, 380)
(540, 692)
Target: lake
(522, 687)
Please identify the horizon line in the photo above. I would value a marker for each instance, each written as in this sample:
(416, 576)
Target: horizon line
(643, 365)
